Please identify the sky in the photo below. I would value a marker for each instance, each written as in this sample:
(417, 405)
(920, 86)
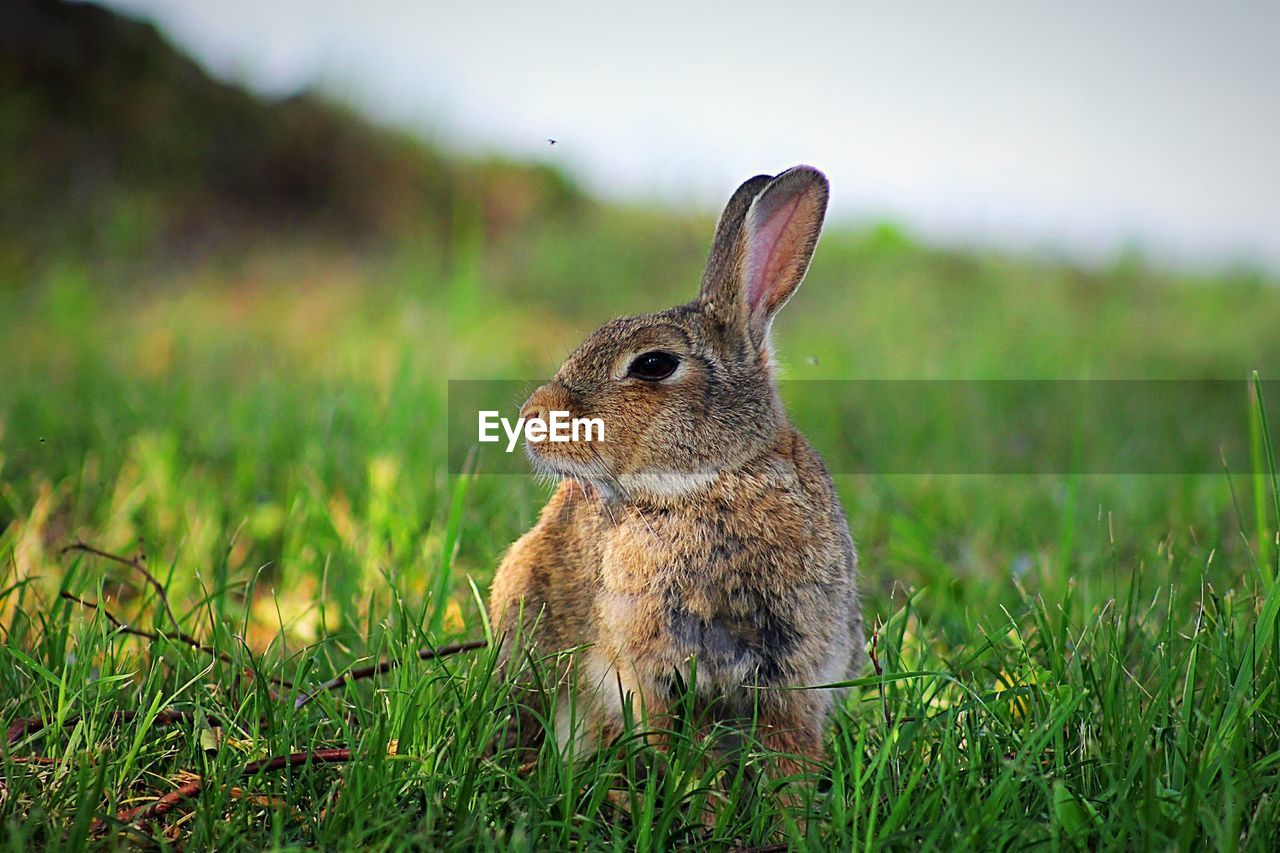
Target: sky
(1085, 128)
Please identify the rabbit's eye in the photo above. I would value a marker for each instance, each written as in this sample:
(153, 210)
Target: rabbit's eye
(653, 366)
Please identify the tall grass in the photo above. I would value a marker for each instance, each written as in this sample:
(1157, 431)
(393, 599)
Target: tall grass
(1072, 661)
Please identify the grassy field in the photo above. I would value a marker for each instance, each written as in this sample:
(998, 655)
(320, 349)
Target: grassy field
(1065, 661)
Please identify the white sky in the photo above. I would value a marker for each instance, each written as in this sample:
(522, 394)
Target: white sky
(1085, 126)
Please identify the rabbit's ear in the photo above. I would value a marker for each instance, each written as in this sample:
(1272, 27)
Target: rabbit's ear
(721, 280)
(779, 234)
(757, 262)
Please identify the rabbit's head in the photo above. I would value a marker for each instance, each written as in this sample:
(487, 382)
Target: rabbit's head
(687, 393)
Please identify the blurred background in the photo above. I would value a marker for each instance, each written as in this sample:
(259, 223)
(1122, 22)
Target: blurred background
(245, 245)
(1089, 130)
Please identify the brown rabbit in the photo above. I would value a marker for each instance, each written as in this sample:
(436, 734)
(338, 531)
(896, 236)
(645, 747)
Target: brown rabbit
(703, 526)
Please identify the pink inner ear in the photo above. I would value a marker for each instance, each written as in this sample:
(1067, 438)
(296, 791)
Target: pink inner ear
(767, 254)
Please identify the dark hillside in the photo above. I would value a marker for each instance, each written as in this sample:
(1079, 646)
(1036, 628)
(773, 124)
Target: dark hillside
(112, 143)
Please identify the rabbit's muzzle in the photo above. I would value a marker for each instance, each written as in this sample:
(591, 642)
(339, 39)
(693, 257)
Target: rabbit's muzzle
(557, 407)
(552, 397)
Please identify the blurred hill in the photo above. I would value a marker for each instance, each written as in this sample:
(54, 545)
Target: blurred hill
(124, 166)
(114, 145)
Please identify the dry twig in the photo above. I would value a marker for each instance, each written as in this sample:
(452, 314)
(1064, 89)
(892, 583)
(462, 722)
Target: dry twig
(159, 808)
(126, 628)
(136, 564)
(24, 726)
(384, 666)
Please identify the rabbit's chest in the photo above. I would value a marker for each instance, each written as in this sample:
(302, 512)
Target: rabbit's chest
(661, 609)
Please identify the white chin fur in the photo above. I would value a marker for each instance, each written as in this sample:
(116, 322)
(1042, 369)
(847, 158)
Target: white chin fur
(665, 484)
(668, 484)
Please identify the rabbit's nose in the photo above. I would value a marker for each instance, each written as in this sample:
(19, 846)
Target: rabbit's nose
(533, 412)
(550, 398)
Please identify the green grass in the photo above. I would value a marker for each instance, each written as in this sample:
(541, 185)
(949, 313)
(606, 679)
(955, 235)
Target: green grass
(1066, 661)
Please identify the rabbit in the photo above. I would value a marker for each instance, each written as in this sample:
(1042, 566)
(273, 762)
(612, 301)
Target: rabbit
(703, 530)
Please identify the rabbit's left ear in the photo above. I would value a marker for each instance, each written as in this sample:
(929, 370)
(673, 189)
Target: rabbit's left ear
(721, 282)
(779, 234)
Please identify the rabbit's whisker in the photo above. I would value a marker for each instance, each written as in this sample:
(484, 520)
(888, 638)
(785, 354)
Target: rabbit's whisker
(622, 492)
(603, 468)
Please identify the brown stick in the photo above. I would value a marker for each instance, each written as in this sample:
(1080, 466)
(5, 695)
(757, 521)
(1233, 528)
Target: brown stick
(385, 666)
(134, 563)
(156, 637)
(159, 808)
(45, 760)
(24, 726)
(426, 653)
(111, 617)
(29, 725)
(875, 662)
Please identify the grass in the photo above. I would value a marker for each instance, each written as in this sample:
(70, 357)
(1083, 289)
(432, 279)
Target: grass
(1073, 661)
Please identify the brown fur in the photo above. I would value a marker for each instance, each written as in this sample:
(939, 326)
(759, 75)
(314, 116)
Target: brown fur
(704, 526)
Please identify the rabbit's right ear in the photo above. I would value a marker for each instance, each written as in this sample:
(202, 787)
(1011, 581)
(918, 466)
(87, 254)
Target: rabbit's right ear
(762, 249)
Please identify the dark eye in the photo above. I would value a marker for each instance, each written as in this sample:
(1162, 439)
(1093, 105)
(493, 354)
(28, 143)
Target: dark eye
(653, 366)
